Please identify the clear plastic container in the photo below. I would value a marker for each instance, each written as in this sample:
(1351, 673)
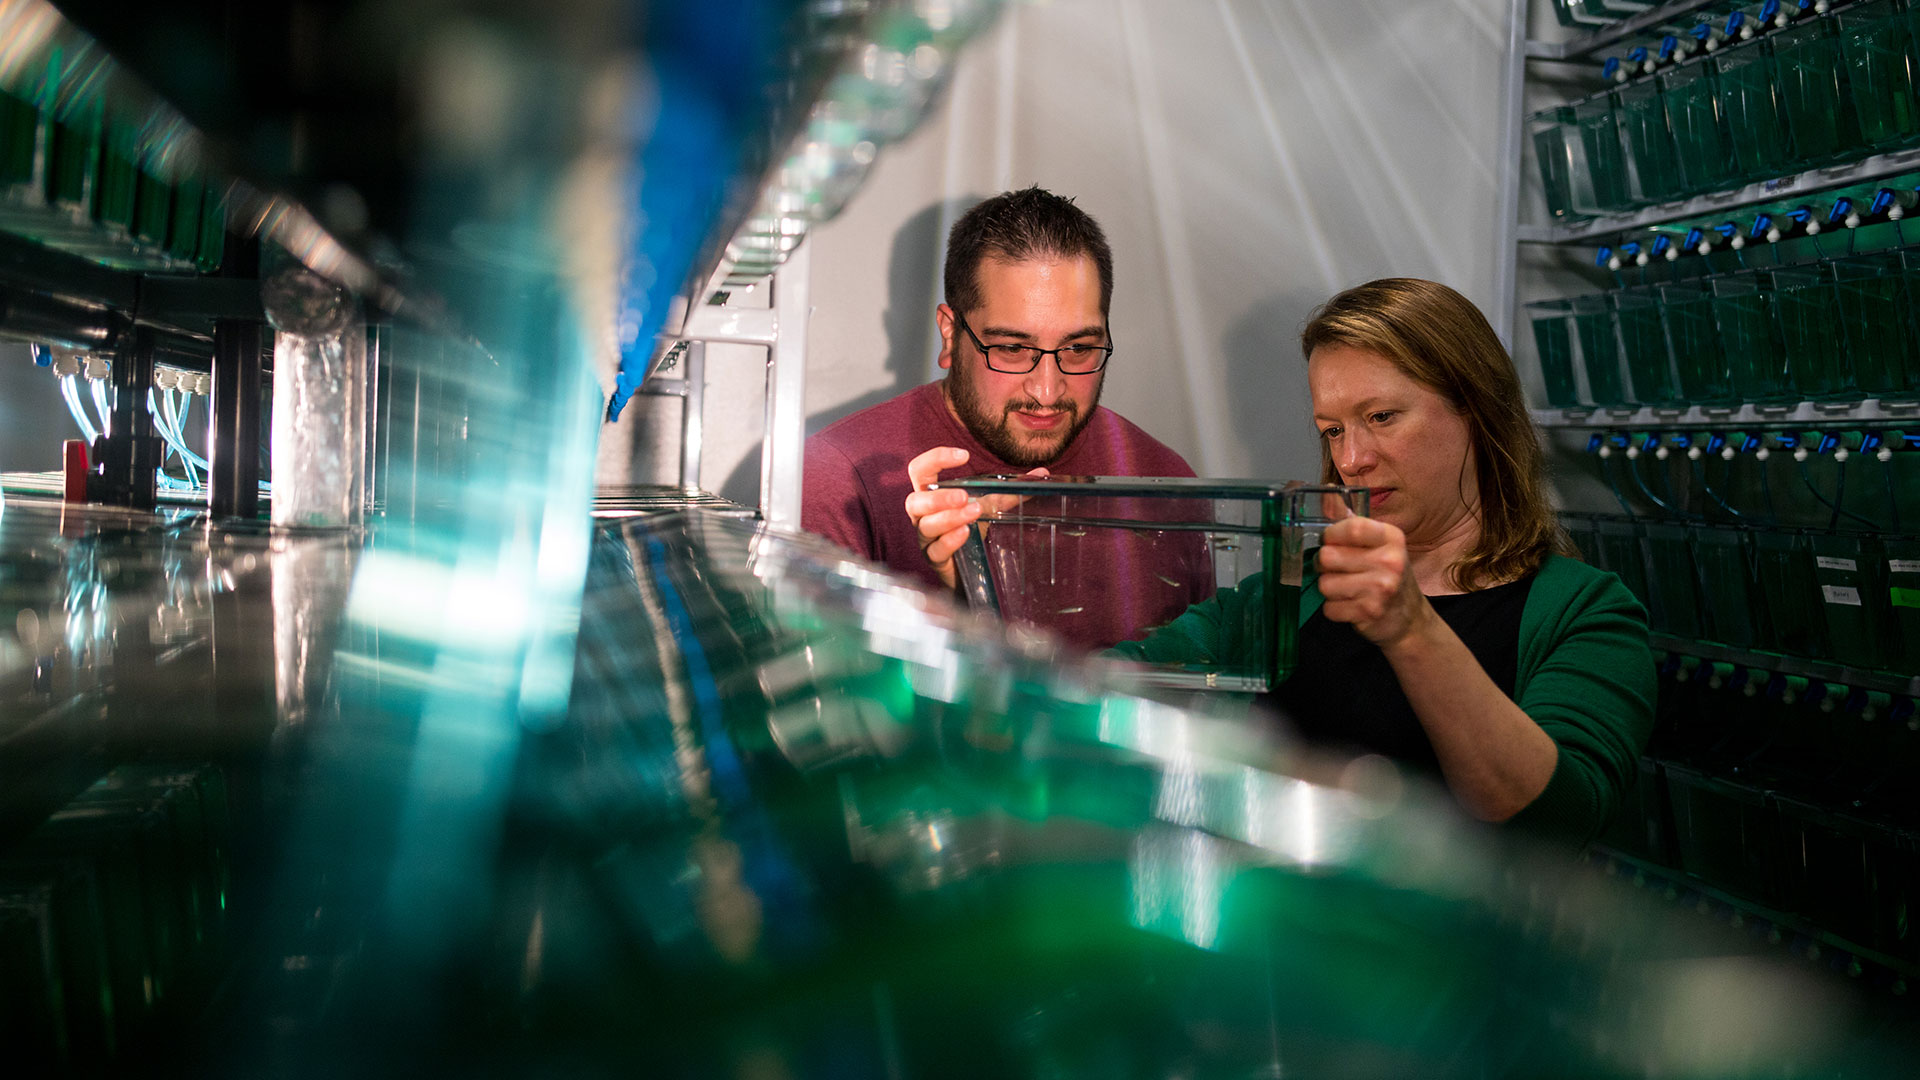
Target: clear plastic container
(1812, 89)
(1600, 359)
(1559, 351)
(1702, 146)
(1902, 566)
(1756, 361)
(1755, 125)
(1676, 597)
(1811, 335)
(1643, 340)
(1850, 571)
(1698, 358)
(1725, 834)
(1623, 552)
(1588, 14)
(1877, 313)
(1610, 183)
(1561, 158)
(1641, 112)
(1728, 589)
(1876, 48)
(1831, 868)
(1796, 620)
(1103, 560)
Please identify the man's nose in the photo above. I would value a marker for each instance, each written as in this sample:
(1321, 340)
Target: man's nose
(1045, 383)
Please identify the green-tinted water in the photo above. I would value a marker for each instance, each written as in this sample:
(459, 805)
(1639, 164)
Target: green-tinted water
(1811, 334)
(1876, 44)
(1877, 314)
(1703, 152)
(1698, 357)
(1756, 365)
(1813, 97)
(1755, 125)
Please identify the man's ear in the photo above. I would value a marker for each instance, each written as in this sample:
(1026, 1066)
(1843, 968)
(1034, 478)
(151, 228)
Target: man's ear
(943, 315)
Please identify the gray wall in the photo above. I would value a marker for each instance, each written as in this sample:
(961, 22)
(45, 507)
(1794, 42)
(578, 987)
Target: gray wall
(33, 418)
(1247, 157)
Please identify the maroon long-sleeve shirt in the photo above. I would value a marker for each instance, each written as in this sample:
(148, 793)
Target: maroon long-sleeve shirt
(856, 490)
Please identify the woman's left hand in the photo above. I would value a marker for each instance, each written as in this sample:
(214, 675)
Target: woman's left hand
(1366, 579)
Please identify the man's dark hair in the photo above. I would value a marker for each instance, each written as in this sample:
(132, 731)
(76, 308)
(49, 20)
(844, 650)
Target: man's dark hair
(1032, 223)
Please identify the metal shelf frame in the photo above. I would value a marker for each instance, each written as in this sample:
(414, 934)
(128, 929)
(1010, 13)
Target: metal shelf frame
(1869, 411)
(1823, 670)
(1585, 44)
(782, 331)
(1759, 193)
(1683, 884)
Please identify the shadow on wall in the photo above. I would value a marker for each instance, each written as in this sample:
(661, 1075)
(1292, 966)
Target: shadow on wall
(914, 289)
(1269, 409)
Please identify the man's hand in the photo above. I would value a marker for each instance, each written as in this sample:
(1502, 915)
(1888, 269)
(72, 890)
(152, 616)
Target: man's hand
(942, 516)
(1367, 580)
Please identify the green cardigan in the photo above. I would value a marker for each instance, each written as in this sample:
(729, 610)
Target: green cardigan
(1585, 675)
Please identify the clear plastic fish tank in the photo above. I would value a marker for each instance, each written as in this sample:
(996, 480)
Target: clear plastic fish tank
(1107, 560)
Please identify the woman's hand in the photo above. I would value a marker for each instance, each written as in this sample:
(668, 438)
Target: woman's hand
(1495, 758)
(942, 516)
(1366, 580)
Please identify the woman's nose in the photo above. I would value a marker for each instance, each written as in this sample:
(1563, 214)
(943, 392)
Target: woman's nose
(1355, 456)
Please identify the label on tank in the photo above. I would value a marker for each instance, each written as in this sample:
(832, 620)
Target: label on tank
(1904, 566)
(1828, 562)
(1841, 594)
(1906, 598)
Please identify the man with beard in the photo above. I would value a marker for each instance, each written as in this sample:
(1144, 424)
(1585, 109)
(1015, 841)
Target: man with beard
(1025, 341)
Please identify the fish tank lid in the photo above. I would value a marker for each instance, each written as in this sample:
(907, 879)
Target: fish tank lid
(1172, 487)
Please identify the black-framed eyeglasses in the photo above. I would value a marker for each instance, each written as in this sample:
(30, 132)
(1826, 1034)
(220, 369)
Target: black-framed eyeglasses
(1020, 359)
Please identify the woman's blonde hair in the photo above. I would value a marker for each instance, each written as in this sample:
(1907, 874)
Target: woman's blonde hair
(1439, 339)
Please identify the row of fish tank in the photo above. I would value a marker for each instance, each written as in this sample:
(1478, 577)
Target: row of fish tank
(1824, 89)
(1834, 329)
(1846, 598)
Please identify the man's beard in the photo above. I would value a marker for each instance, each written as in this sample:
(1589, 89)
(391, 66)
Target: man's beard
(997, 434)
